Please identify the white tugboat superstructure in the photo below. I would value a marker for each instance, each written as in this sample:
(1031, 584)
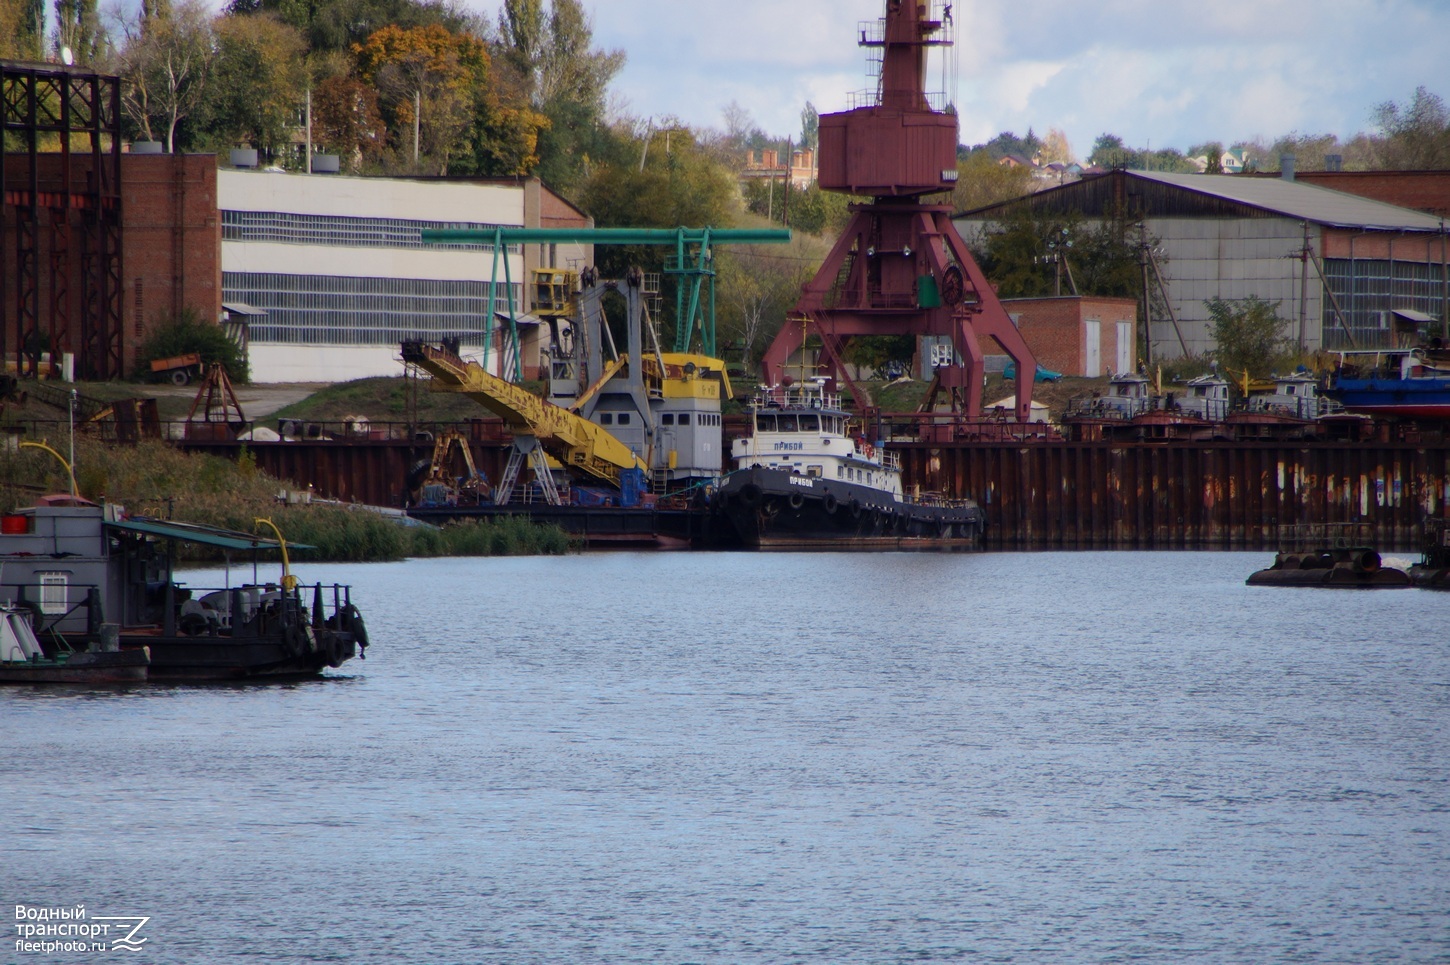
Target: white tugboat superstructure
(804, 480)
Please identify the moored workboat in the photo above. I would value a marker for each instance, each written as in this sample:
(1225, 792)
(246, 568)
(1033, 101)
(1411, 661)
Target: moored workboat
(94, 580)
(804, 480)
(1399, 383)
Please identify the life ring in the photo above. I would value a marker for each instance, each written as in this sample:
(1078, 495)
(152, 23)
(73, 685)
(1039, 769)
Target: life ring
(797, 500)
(750, 495)
(829, 503)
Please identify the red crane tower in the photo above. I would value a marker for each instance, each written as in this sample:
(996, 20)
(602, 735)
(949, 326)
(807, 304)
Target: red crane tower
(900, 267)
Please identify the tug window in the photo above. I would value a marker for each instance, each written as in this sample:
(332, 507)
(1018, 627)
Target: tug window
(810, 423)
(53, 595)
(766, 423)
(787, 423)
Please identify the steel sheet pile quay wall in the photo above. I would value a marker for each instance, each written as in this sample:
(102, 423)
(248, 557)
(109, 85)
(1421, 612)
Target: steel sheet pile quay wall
(1193, 495)
(1046, 495)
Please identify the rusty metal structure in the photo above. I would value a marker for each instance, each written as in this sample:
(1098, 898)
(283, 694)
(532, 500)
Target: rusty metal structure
(900, 267)
(60, 195)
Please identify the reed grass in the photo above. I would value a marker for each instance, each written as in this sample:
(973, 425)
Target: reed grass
(154, 479)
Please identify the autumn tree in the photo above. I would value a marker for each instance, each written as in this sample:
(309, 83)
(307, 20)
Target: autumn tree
(427, 79)
(22, 29)
(165, 61)
(1414, 136)
(346, 120)
(339, 25)
(563, 77)
(1055, 147)
(982, 181)
(757, 286)
(259, 82)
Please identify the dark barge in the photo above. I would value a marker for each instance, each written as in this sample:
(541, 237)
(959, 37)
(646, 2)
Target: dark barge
(94, 580)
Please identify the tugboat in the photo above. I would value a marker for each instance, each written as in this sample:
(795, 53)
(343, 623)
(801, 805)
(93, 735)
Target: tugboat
(1331, 556)
(804, 480)
(94, 581)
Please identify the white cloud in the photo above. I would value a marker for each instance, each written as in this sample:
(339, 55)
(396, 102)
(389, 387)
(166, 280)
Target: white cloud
(1169, 74)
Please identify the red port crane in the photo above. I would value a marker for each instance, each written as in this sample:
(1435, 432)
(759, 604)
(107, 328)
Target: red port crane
(900, 267)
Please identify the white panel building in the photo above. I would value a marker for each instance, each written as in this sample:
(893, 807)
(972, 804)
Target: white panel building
(330, 272)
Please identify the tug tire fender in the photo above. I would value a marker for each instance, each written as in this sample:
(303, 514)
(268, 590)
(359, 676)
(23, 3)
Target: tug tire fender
(830, 504)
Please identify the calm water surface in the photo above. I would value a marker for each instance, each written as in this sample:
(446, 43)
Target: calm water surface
(1095, 757)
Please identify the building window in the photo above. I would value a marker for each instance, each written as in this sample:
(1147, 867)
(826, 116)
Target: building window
(624, 418)
(684, 418)
(606, 418)
(342, 231)
(668, 419)
(337, 310)
(54, 592)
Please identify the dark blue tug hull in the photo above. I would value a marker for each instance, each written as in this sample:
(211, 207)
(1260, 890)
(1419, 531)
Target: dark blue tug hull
(761, 508)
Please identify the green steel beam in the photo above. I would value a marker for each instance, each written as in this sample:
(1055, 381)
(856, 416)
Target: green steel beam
(694, 268)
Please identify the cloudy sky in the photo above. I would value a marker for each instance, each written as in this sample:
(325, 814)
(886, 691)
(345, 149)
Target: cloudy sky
(1157, 74)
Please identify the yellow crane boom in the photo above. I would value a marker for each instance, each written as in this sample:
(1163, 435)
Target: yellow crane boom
(573, 440)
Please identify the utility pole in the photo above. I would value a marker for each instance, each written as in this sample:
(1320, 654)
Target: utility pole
(309, 129)
(1304, 290)
(1147, 298)
(1444, 288)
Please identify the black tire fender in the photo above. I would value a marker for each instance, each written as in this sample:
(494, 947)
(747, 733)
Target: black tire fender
(829, 503)
(750, 495)
(797, 500)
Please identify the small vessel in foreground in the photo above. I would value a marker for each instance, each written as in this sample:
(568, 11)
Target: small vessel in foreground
(1331, 556)
(804, 480)
(98, 589)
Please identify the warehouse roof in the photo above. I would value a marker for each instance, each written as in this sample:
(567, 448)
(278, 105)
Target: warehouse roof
(1163, 195)
(1308, 202)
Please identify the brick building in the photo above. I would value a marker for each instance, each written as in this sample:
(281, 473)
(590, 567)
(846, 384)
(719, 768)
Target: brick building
(1076, 336)
(169, 257)
(1427, 191)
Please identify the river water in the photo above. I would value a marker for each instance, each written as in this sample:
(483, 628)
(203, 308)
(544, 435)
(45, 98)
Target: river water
(1037, 758)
